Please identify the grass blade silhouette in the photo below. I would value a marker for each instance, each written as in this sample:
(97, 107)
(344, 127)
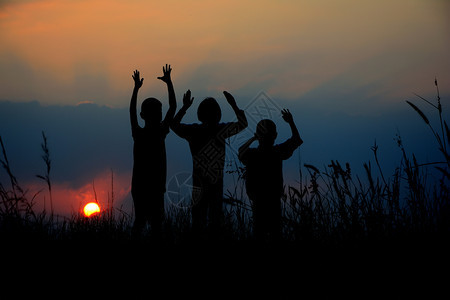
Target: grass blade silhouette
(424, 117)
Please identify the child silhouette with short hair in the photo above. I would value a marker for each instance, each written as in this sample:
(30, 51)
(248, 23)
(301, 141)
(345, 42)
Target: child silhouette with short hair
(264, 175)
(207, 144)
(148, 183)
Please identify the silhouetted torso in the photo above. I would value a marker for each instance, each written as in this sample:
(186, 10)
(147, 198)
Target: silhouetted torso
(264, 177)
(208, 150)
(207, 144)
(149, 170)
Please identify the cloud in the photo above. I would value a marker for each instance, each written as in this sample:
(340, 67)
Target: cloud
(72, 51)
(12, 2)
(88, 140)
(85, 102)
(83, 139)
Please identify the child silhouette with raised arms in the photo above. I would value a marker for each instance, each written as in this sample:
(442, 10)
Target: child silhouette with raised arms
(149, 153)
(207, 145)
(264, 175)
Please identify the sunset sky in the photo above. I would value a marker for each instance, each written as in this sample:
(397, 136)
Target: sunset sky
(339, 59)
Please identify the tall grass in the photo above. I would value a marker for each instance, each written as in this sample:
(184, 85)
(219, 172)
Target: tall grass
(48, 164)
(20, 221)
(329, 206)
(334, 205)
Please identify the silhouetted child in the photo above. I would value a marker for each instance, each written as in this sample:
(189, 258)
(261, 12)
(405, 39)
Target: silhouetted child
(264, 175)
(149, 169)
(207, 145)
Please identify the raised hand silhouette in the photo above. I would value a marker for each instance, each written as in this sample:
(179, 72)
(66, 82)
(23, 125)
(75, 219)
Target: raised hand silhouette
(187, 100)
(287, 116)
(230, 99)
(166, 74)
(137, 81)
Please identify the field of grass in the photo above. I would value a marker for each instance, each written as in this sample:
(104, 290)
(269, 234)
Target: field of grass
(330, 207)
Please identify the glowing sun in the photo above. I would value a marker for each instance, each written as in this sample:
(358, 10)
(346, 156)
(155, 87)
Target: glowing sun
(91, 208)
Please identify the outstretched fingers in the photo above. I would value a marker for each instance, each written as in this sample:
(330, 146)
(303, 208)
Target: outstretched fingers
(286, 115)
(167, 69)
(166, 73)
(285, 112)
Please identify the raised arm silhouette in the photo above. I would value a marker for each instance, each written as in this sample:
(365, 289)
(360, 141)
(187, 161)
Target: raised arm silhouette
(207, 144)
(264, 175)
(149, 154)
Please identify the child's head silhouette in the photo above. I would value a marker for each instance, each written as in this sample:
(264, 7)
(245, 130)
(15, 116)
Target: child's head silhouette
(266, 132)
(151, 110)
(209, 111)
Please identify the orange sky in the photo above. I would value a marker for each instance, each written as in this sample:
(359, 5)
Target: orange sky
(68, 199)
(60, 51)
